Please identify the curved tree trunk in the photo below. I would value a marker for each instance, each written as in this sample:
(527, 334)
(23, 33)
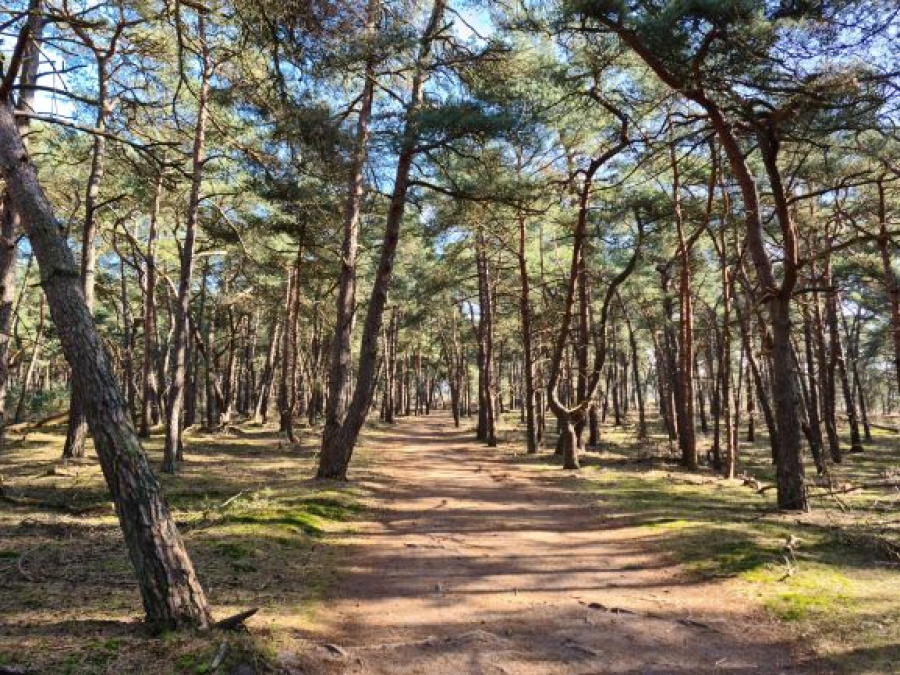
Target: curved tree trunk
(171, 592)
(790, 475)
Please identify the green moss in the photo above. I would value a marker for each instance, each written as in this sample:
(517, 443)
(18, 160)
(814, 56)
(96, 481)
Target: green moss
(332, 509)
(112, 644)
(312, 515)
(797, 606)
(733, 558)
(816, 592)
(306, 522)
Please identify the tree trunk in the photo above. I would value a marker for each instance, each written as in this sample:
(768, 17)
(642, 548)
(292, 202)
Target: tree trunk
(149, 385)
(175, 407)
(287, 385)
(826, 385)
(339, 440)
(891, 284)
(777, 296)
(790, 477)
(789, 469)
(816, 441)
(635, 373)
(485, 332)
(673, 369)
(730, 408)
(687, 438)
(128, 332)
(32, 364)
(839, 364)
(8, 226)
(853, 354)
(9, 216)
(171, 593)
(76, 434)
(757, 387)
(261, 409)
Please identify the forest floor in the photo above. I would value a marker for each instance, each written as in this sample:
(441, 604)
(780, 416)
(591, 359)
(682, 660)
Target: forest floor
(446, 557)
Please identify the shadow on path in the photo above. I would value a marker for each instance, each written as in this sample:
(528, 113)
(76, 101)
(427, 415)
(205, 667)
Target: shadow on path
(474, 563)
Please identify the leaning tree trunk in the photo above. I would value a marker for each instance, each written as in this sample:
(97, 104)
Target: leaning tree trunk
(777, 296)
(341, 357)
(790, 476)
(339, 440)
(171, 592)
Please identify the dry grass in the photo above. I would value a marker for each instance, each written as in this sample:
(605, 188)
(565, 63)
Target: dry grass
(261, 533)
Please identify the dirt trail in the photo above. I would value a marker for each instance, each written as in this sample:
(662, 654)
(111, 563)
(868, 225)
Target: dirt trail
(473, 565)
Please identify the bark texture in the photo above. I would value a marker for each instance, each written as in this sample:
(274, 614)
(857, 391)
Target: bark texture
(171, 593)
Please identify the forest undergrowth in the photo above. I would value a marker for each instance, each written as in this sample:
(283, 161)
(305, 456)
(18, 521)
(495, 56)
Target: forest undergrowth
(265, 536)
(829, 575)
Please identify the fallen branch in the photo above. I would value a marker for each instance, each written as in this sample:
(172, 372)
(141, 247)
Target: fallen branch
(235, 622)
(231, 500)
(336, 650)
(611, 610)
(684, 621)
(219, 657)
(870, 485)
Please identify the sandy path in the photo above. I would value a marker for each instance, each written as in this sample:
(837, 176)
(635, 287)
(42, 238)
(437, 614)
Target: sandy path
(472, 565)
